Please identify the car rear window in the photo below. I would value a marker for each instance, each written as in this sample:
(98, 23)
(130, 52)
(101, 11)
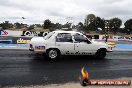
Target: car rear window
(48, 35)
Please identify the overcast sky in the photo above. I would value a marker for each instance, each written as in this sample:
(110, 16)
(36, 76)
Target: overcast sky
(36, 11)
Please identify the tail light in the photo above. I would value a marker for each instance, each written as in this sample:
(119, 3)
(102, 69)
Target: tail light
(31, 46)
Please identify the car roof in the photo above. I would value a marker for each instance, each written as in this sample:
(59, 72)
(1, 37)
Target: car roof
(66, 32)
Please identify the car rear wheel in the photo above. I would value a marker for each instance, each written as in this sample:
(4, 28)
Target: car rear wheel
(101, 53)
(53, 54)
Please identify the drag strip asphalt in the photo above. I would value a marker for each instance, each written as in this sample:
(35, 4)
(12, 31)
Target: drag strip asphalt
(21, 67)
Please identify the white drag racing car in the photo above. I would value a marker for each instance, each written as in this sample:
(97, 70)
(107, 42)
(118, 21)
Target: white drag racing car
(58, 43)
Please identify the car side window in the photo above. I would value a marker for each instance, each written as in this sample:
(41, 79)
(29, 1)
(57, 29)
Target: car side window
(64, 37)
(80, 38)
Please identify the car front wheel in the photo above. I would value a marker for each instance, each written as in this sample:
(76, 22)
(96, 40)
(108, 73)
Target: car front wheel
(101, 53)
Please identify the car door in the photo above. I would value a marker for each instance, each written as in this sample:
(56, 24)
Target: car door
(82, 44)
(64, 42)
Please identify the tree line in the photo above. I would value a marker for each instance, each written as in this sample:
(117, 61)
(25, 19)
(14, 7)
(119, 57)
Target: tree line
(113, 25)
(92, 23)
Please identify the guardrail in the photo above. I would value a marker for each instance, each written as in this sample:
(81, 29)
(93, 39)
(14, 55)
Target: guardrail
(21, 39)
(110, 38)
(22, 33)
(24, 37)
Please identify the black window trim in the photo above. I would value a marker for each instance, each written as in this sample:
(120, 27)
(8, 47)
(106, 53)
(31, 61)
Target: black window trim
(65, 33)
(80, 41)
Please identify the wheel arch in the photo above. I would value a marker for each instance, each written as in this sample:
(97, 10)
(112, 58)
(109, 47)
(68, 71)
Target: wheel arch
(53, 48)
(102, 49)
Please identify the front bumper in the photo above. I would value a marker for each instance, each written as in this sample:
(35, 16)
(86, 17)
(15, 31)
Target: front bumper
(109, 49)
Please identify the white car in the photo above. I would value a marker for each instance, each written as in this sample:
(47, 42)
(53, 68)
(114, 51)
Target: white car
(58, 43)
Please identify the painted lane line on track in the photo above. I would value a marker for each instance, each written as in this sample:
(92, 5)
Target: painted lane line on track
(124, 46)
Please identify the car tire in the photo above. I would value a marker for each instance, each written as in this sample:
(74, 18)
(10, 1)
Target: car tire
(53, 54)
(101, 53)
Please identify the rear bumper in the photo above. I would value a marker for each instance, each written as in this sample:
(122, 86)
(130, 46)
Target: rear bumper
(31, 49)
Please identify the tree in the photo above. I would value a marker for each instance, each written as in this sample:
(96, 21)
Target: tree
(90, 21)
(55, 25)
(47, 24)
(128, 26)
(38, 25)
(100, 23)
(31, 27)
(67, 25)
(115, 24)
(6, 25)
(80, 26)
(17, 25)
(52, 27)
(58, 26)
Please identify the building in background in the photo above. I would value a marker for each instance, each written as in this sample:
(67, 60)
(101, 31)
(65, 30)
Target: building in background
(107, 26)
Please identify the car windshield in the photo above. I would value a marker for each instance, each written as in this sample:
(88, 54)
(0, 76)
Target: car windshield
(48, 35)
